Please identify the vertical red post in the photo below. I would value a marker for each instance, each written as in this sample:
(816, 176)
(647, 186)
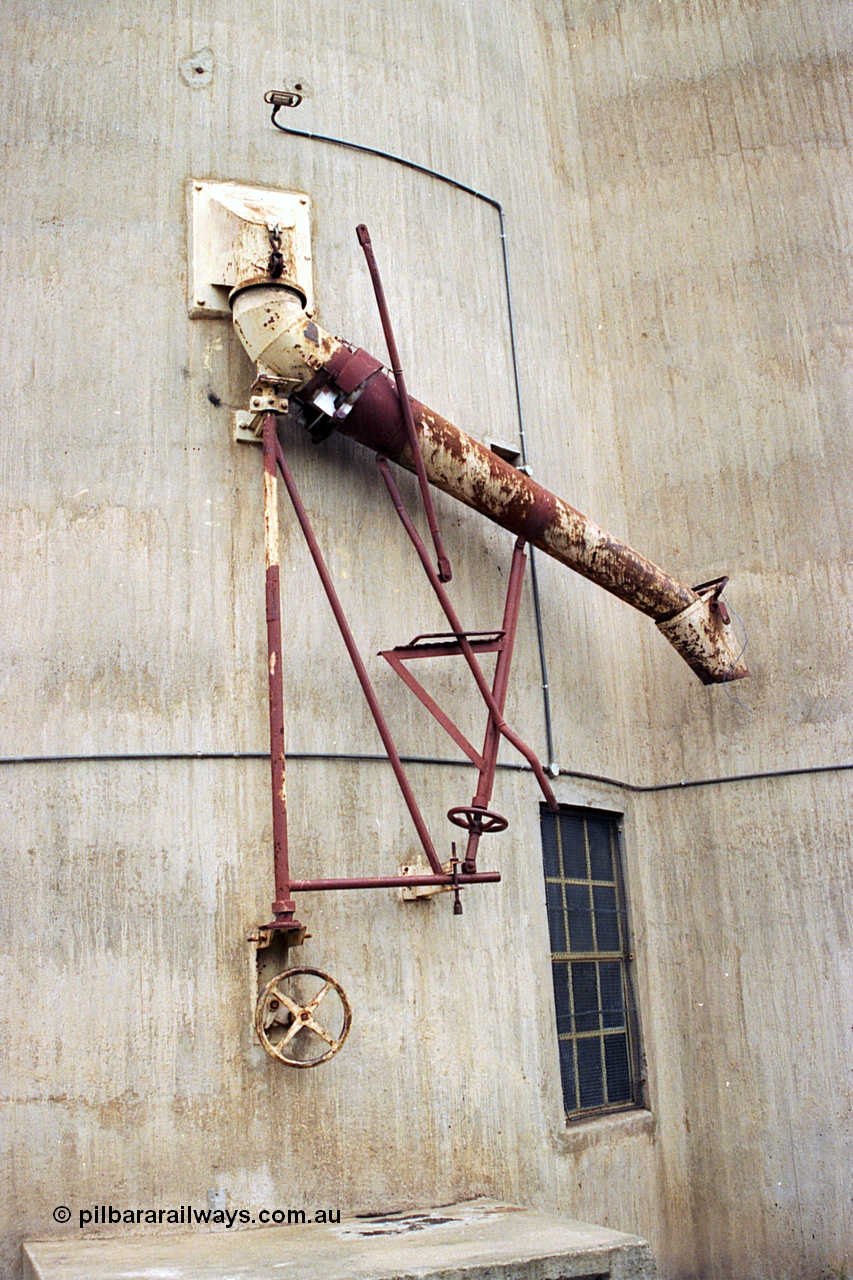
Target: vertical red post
(284, 906)
(499, 689)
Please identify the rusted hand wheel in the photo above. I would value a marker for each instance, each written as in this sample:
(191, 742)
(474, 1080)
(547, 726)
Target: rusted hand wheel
(285, 1022)
(485, 821)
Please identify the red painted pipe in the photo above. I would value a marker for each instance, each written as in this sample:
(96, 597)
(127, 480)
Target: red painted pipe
(395, 882)
(284, 906)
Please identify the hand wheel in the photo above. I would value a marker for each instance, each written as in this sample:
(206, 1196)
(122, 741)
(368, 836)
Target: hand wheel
(483, 821)
(285, 1021)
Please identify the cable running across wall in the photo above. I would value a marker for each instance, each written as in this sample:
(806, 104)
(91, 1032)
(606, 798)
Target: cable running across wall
(633, 787)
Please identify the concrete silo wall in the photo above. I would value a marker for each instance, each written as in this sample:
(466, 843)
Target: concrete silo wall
(676, 179)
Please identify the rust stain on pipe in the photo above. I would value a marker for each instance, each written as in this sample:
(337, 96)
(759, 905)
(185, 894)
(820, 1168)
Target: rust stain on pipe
(275, 330)
(468, 471)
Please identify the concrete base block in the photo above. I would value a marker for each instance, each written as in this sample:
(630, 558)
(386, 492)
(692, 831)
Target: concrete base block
(477, 1240)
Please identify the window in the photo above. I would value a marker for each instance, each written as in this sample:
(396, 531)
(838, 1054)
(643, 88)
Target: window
(590, 953)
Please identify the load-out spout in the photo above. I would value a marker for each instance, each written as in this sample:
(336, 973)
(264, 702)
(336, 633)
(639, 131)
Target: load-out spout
(349, 390)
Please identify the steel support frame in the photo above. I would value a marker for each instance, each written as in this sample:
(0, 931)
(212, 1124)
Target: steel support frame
(501, 642)
(458, 642)
(284, 907)
(465, 648)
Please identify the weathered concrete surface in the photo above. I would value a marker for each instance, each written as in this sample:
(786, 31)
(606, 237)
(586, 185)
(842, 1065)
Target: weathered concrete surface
(477, 1240)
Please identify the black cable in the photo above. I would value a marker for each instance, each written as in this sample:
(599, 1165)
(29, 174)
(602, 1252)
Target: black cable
(636, 788)
(384, 155)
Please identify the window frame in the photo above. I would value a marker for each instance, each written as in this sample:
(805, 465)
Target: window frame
(592, 957)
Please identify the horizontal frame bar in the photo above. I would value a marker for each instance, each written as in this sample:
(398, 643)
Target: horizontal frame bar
(395, 882)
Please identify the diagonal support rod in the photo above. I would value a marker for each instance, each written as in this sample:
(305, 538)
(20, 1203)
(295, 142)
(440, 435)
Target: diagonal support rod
(398, 665)
(444, 570)
(500, 683)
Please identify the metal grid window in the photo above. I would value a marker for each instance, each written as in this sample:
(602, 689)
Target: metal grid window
(590, 954)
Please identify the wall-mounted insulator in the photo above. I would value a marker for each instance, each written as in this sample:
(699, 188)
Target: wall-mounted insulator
(284, 97)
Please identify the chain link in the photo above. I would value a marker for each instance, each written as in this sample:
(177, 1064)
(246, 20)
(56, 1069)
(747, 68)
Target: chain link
(276, 262)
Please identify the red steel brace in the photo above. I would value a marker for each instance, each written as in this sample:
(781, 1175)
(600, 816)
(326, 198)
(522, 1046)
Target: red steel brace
(284, 885)
(284, 906)
(444, 571)
(500, 684)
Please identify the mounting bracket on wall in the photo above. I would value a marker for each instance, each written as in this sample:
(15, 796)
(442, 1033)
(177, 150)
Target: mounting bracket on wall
(230, 226)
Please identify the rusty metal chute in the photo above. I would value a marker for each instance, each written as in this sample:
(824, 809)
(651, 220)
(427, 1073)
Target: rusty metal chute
(346, 389)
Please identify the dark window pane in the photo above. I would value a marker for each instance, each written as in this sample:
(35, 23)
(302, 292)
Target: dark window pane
(618, 1075)
(610, 984)
(567, 1075)
(561, 998)
(591, 1084)
(550, 852)
(600, 855)
(585, 992)
(606, 923)
(591, 979)
(556, 917)
(580, 917)
(574, 851)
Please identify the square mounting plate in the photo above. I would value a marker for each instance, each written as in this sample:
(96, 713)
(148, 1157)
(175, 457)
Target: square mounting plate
(229, 240)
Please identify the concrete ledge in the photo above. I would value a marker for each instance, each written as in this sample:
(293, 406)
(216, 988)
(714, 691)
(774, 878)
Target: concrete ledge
(477, 1240)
